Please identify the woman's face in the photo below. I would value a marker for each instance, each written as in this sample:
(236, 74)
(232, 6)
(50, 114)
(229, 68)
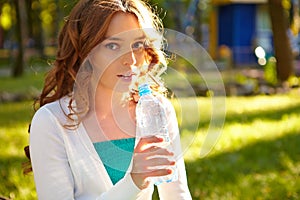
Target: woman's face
(116, 59)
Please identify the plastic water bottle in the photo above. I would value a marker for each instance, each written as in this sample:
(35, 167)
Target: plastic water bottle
(152, 120)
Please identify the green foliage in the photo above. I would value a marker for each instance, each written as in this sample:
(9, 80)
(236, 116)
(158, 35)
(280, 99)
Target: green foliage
(6, 16)
(270, 71)
(294, 82)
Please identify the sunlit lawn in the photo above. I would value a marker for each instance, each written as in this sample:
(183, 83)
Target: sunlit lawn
(27, 85)
(14, 120)
(257, 155)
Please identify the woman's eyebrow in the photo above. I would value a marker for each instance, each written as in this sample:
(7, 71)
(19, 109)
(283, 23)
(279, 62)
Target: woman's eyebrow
(113, 39)
(121, 39)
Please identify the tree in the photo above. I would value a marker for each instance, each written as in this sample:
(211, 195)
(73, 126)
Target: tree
(282, 48)
(192, 21)
(34, 24)
(18, 67)
(1, 29)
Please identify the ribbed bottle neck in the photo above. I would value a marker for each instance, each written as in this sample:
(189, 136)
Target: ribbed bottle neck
(144, 89)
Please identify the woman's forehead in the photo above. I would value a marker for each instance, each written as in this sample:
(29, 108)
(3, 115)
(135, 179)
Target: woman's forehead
(123, 25)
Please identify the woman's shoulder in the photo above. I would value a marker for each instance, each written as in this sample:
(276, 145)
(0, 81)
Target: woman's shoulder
(47, 123)
(57, 109)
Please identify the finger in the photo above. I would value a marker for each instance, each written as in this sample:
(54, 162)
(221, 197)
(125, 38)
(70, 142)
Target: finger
(152, 139)
(142, 179)
(146, 141)
(152, 152)
(159, 162)
(153, 172)
(160, 151)
(159, 172)
(152, 165)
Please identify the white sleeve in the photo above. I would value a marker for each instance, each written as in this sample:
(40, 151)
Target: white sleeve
(124, 189)
(52, 173)
(177, 190)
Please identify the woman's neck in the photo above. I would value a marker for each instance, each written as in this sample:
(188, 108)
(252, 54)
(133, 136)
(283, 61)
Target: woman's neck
(108, 100)
(113, 114)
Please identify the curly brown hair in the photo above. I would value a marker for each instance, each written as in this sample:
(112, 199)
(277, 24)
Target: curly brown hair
(82, 31)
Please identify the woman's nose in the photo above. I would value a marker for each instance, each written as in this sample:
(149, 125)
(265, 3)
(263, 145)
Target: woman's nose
(129, 58)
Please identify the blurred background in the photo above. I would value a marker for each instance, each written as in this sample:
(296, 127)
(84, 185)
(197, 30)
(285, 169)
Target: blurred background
(255, 45)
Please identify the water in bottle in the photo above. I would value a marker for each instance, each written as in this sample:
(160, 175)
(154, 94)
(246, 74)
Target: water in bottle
(152, 120)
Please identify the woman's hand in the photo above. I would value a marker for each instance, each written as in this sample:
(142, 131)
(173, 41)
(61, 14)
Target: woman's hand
(148, 155)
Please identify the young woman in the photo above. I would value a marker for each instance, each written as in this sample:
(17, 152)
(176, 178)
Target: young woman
(83, 141)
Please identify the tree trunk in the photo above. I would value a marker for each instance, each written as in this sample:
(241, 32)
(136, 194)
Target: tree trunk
(29, 11)
(35, 30)
(198, 26)
(18, 67)
(282, 47)
(1, 38)
(176, 7)
(1, 29)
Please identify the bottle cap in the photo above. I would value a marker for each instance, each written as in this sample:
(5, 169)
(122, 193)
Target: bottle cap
(144, 89)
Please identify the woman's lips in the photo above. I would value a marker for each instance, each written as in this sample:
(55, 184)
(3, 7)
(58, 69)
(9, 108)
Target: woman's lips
(126, 78)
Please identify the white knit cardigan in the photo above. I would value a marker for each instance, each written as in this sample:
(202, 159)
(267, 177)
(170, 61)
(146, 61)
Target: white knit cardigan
(66, 166)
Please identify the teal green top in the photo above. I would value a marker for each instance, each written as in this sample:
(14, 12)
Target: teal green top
(116, 156)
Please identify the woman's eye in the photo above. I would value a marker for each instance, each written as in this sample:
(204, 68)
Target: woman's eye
(138, 45)
(112, 46)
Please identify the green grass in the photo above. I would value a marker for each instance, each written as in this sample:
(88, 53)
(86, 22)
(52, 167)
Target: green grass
(30, 83)
(14, 120)
(27, 84)
(257, 155)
